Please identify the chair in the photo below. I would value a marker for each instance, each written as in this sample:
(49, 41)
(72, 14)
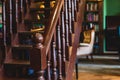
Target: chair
(86, 47)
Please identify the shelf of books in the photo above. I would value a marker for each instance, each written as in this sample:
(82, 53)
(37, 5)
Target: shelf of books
(93, 19)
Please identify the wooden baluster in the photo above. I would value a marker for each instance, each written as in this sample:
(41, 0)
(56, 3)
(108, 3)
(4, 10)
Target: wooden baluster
(54, 59)
(73, 14)
(69, 22)
(4, 22)
(48, 65)
(21, 11)
(66, 31)
(63, 37)
(27, 6)
(63, 43)
(75, 9)
(59, 51)
(27, 10)
(75, 5)
(22, 26)
(17, 21)
(24, 7)
(11, 20)
(4, 29)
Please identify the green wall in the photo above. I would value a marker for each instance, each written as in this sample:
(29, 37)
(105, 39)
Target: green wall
(110, 8)
(113, 7)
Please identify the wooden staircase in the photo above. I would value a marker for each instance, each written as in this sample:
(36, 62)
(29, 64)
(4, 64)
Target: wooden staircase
(41, 38)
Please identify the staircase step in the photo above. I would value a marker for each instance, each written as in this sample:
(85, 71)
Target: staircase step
(30, 32)
(39, 6)
(22, 46)
(16, 62)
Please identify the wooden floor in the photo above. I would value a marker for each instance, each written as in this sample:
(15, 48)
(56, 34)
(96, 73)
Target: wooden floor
(96, 76)
(100, 69)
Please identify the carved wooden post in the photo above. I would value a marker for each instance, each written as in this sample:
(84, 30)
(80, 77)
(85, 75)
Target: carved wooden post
(37, 58)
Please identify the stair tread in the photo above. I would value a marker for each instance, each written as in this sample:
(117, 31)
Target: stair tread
(36, 7)
(17, 62)
(30, 32)
(22, 46)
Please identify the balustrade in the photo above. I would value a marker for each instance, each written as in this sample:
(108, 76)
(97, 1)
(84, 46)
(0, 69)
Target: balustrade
(52, 50)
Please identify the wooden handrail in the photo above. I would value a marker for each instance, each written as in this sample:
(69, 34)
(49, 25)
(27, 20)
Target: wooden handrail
(57, 44)
(52, 24)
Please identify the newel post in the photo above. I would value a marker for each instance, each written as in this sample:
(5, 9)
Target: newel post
(37, 56)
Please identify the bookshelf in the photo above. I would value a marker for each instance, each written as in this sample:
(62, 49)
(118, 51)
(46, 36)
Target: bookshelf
(93, 19)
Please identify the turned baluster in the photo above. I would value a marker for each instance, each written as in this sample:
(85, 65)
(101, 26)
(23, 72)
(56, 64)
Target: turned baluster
(48, 65)
(17, 13)
(59, 51)
(63, 36)
(27, 6)
(73, 15)
(21, 13)
(11, 20)
(75, 9)
(63, 43)
(66, 31)
(4, 22)
(70, 22)
(54, 59)
(75, 5)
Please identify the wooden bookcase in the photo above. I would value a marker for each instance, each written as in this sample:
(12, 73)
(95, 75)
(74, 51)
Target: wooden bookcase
(93, 19)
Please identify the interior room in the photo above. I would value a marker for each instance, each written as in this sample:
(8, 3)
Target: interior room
(59, 40)
(105, 60)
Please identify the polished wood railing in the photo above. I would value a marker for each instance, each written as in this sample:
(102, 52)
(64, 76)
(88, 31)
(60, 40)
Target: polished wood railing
(53, 51)
(54, 54)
